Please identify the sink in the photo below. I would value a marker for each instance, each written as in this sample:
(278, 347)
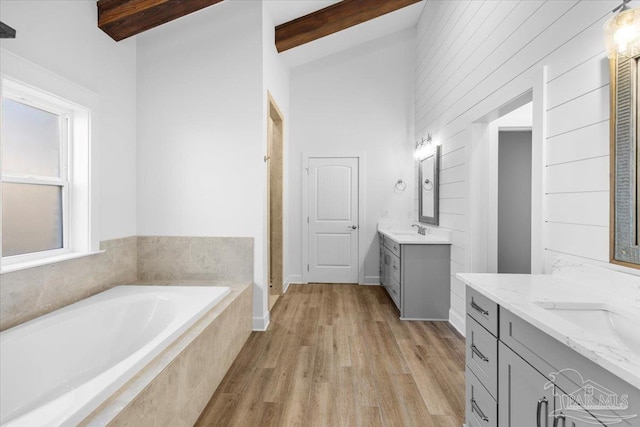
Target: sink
(609, 324)
(404, 232)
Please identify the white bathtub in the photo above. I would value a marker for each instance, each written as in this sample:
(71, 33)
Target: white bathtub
(57, 369)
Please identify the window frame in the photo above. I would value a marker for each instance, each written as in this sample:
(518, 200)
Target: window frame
(63, 181)
(23, 76)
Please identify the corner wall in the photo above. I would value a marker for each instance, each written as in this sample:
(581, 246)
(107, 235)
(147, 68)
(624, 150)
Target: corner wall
(202, 97)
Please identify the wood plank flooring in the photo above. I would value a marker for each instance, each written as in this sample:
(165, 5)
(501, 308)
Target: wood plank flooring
(337, 355)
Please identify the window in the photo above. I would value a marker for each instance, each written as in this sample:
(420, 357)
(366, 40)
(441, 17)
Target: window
(45, 161)
(35, 178)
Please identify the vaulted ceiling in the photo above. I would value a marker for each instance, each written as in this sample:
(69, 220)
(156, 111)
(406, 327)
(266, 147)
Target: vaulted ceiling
(331, 24)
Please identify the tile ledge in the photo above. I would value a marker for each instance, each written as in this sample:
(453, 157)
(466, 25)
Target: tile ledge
(51, 260)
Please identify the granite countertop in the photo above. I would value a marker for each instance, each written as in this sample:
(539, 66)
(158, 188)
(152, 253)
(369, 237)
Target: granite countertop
(531, 296)
(403, 237)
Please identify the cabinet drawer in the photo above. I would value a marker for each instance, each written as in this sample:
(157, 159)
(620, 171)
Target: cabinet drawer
(482, 356)
(481, 408)
(394, 292)
(392, 245)
(483, 310)
(395, 268)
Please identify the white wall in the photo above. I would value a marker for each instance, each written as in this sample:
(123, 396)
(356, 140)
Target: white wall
(356, 101)
(202, 128)
(474, 57)
(63, 37)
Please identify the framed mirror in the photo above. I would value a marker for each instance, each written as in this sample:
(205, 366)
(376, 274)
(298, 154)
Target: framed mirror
(428, 188)
(625, 159)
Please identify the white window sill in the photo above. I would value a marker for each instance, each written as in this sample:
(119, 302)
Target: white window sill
(45, 261)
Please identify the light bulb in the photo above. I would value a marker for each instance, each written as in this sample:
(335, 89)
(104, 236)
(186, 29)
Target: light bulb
(622, 32)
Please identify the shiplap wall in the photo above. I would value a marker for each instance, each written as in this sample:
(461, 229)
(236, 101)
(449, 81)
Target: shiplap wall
(475, 56)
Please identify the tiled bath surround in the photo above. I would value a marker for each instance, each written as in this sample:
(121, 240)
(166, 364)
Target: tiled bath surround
(195, 258)
(30, 293)
(33, 292)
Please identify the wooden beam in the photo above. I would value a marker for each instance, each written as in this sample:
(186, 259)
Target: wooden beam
(332, 19)
(125, 18)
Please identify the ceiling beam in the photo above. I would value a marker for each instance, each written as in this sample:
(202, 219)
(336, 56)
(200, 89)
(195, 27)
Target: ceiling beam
(332, 19)
(125, 18)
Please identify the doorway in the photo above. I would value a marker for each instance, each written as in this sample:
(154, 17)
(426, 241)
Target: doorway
(275, 191)
(333, 219)
(514, 201)
(506, 188)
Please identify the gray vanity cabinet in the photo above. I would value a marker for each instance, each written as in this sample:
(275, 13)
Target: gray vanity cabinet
(417, 278)
(528, 378)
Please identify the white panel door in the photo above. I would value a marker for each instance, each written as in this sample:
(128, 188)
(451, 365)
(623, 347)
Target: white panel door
(333, 220)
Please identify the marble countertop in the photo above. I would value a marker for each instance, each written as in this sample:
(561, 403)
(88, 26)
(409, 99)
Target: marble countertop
(532, 297)
(410, 236)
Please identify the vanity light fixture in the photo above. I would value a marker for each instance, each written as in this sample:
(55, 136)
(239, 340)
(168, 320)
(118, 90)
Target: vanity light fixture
(622, 31)
(424, 147)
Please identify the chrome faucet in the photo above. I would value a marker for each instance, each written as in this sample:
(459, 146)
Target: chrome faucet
(421, 230)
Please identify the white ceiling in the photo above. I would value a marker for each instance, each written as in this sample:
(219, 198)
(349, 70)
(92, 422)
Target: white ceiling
(282, 11)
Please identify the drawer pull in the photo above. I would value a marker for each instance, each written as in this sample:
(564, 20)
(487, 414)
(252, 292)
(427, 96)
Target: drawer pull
(475, 408)
(478, 308)
(538, 415)
(559, 417)
(478, 353)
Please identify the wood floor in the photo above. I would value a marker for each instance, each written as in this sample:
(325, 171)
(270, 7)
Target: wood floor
(337, 355)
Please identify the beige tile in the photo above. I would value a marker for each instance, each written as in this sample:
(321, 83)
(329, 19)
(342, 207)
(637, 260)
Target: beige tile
(33, 292)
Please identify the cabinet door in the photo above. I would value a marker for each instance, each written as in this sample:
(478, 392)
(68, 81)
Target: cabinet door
(523, 399)
(382, 269)
(575, 419)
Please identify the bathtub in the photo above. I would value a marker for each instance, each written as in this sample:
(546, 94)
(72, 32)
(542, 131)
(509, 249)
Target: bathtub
(57, 369)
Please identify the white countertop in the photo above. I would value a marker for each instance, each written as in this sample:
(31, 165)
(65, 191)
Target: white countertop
(410, 236)
(527, 296)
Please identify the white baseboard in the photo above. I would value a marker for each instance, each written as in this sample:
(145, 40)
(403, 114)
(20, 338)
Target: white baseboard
(457, 321)
(294, 278)
(261, 323)
(372, 280)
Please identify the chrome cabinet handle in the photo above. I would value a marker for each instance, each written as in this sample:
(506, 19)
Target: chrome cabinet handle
(538, 415)
(478, 353)
(475, 408)
(557, 418)
(478, 308)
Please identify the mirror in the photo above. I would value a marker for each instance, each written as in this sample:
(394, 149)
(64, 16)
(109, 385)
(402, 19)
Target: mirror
(625, 158)
(428, 188)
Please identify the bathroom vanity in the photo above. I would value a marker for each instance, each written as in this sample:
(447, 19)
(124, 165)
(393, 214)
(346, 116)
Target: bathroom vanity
(543, 351)
(415, 271)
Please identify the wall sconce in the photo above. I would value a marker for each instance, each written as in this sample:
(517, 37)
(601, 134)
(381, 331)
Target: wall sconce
(622, 31)
(424, 147)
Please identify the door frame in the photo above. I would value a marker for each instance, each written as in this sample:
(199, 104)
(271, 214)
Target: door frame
(361, 208)
(478, 156)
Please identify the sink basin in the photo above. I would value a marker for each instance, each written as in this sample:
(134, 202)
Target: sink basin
(609, 324)
(404, 232)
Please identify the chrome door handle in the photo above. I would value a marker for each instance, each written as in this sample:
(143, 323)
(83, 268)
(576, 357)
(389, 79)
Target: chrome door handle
(475, 408)
(559, 417)
(478, 308)
(538, 416)
(353, 227)
(478, 353)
